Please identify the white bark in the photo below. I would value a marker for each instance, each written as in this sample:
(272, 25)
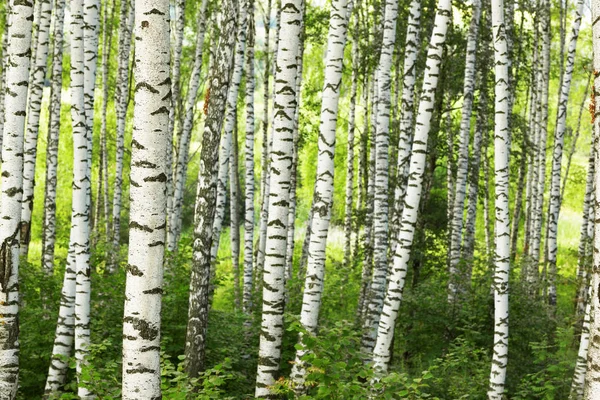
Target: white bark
(559, 140)
(592, 377)
(323, 195)
(49, 232)
(411, 51)
(36, 88)
(186, 133)
(249, 164)
(218, 81)
(502, 225)
(580, 367)
(391, 305)
(126, 19)
(380, 204)
(15, 106)
(150, 141)
(456, 281)
(276, 238)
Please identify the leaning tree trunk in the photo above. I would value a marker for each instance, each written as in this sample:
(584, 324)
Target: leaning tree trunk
(80, 216)
(49, 228)
(456, 280)
(126, 18)
(411, 51)
(36, 88)
(185, 134)
(502, 226)
(559, 140)
(385, 331)
(249, 164)
(15, 106)
(147, 226)
(381, 203)
(230, 121)
(276, 239)
(218, 81)
(323, 193)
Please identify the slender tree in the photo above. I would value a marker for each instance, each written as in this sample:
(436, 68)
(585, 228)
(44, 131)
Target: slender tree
(249, 163)
(559, 140)
(218, 81)
(323, 194)
(36, 88)
(381, 178)
(391, 305)
(502, 225)
(15, 106)
(185, 133)
(276, 238)
(456, 280)
(126, 19)
(49, 229)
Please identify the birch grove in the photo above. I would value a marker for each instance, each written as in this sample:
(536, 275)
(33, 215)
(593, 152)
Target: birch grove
(223, 200)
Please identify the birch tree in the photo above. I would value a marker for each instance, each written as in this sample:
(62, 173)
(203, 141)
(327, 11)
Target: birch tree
(559, 140)
(126, 19)
(49, 229)
(411, 51)
(276, 238)
(249, 163)
(502, 226)
(456, 280)
(385, 331)
(218, 81)
(147, 226)
(80, 216)
(592, 376)
(36, 88)
(185, 133)
(323, 193)
(381, 178)
(15, 106)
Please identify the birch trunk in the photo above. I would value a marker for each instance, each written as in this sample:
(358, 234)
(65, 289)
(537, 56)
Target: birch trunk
(49, 230)
(481, 127)
(349, 192)
(80, 217)
(380, 210)
(63, 339)
(218, 81)
(456, 280)
(391, 305)
(174, 116)
(234, 211)
(36, 92)
(3, 74)
(147, 226)
(249, 163)
(283, 124)
(103, 171)
(411, 51)
(126, 19)
(592, 377)
(577, 386)
(502, 225)
(585, 240)
(15, 106)
(186, 132)
(323, 194)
